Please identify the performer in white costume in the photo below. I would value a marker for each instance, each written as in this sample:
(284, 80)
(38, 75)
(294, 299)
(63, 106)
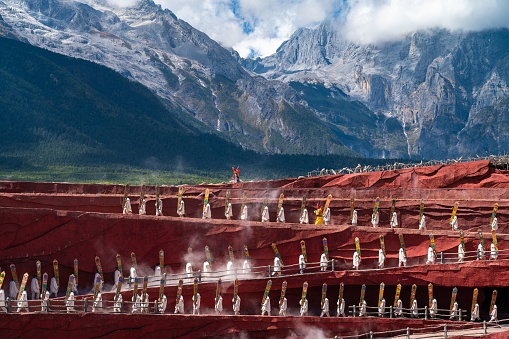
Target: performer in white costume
(363, 309)
(181, 210)
(394, 220)
(196, 306)
(494, 315)
(69, 303)
(431, 256)
(143, 207)
(398, 312)
(218, 304)
(23, 302)
(422, 223)
(45, 302)
(228, 213)
(159, 207)
(277, 266)
(354, 218)
(475, 313)
(127, 207)
(236, 305)
(326, 216)
(356, 260)
(493, 252)
(281, 215)
(402, 257)
(98, 303)
(454, 311)
(266, 306)
(207, 214)
(304, 218)
(179, 307)
(243, 216)
(494, 224)
(323, 262)
(265, 214)
(461, 253)
(303, 307)
(282, 307)
(302, 263)
(480, 252)
(117, 305)
(414, 310)
(454, 223)
(381, 308)
(433, 309)
(381, 258)
(375, 219)
(325, 308)
(341, 307)
(162, 304)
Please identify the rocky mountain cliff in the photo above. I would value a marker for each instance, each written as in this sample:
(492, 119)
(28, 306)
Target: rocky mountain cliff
(447, 90)
(182, 65)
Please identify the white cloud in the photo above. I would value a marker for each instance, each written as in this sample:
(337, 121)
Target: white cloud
(270, 22)
(369, 21)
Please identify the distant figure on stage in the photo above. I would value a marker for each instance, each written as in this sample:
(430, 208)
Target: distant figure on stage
(98, 303)
(493, 252)
(434, 309)
(157, 271)
(283, 306)
(236, 175)
(277, 266)
(480, 252)
(281, 215)
(13, 290)
(326, 216)
(143, 208)
(246, 267)
(23, 302)
(394, 220)
(117, 275)
(181, 210)
(45, 302)
(179, 307)
(266, 306)
(302, 263)
(431, 256)
(2, 301)
(69, 303)
(375, 218)
(381, 308)
(494, 317)
(303, 307)
(145, 305)
(454, 223)
(399, 309)
(265, 214)
(341, 308)
(354, 218)
(475, 313)
(243, 216)
(319, 215)
(133, 273)
(236, 305)
(127, 207)
(159, 206)
(304, 218)
(414, 310)
(402, 257)
(189, 270)
(229, 267)
(117, 304)
(196, 305)
(162, 304)
(228, 213)
(323, 262)
(454, 311)
(494, 224)
(363, 309)
(53, 287)
(381, 258)
(422, 223)
(325, 308)
(356, 260)
(206, 267)
(35, 288)
(218, 304)
(461, 253)
(206, 212)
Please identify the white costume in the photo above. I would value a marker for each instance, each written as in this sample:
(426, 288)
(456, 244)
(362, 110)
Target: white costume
(161, 305)
(381, 308)
(480, 252)
(454, 311)
(493, 252)
(402, 257)
(325, 308)
(127, 207)
(454, 223)
(98, 303)
(23, 302)
(461, 253)
(189, 270)
(354, 218)
(157, 271)
(265, 214)
(243, 215)
(494, 224)
(341, 308)
(35, 288)
(136, 303)
(2, 301)
(196, 306)
(381, 258)
(494, 316)
(206, 212)
(145, 305)
(246, 267)
(266, 306)
(206, 267)
(236, 305)
(356, 260)
(433, 309)
(69, 303)
(323, 262)
(374, 219)
(282, 307)
(304, 218)
(281, 215)
(303, 307)
(181, 211)
(117, 304)
(362, 311)
(179, 307)
(228, 213)
(277, 266)
(53, 288)
(45, 302)
(117, 279)
(13, 290)
(159, 207)
(326, 216)
(431, 257)
(133, 273)
(475, 313)
(229, 267)
(218, 304)
(422, 223)
(394, 220)
(143, 207)
(302, 263)
(398, 312)
(414, 310)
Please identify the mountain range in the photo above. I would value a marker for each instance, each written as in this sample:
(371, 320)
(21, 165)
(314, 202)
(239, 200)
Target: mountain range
(431, 94)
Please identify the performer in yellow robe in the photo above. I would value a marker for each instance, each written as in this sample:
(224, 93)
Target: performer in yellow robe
(319, 215)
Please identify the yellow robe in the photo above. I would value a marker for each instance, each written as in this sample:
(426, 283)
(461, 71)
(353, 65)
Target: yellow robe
(319, 217)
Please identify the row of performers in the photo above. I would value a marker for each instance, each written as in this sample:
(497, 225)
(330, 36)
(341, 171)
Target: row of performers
(140, 303)
(322, 216)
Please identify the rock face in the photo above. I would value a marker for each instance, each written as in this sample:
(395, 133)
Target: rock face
(448, 91)
(182, 65)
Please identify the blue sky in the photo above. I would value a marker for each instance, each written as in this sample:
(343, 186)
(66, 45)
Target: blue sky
(258, 27)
